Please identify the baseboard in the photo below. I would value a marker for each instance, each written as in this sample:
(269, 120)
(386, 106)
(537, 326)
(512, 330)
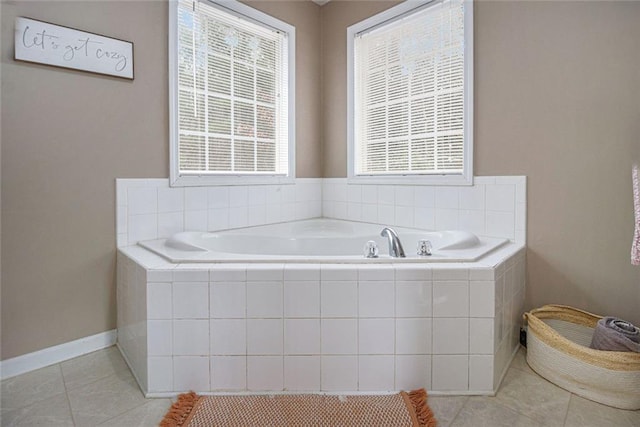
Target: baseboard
(56, 354)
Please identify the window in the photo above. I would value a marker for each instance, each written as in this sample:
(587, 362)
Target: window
(232, 86)
(410, 94)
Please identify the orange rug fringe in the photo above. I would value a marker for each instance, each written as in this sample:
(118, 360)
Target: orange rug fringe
(424, 413)
(180, 410)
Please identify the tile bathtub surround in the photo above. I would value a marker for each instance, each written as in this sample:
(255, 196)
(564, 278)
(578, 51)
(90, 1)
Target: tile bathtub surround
(359, 328)
(492, 207)
(149, 209)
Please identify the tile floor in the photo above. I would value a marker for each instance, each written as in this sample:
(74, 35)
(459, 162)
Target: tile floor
(98, 389)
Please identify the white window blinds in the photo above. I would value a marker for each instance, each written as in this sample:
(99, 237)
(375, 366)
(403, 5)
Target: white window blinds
(232, 94)
(409, 93)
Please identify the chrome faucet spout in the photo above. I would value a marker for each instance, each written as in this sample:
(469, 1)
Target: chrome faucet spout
(395, 247)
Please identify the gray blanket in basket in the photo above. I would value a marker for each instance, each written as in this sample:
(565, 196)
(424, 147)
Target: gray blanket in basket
(613, 334)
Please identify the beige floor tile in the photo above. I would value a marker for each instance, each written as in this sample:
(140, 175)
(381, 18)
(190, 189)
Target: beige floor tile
(25, 389)
(53, 411)
(91, 367)
(520, 362)
(104, 399)
(487, 412)
(535, 397)
(445, 408)
(585, 413)
(148, 415)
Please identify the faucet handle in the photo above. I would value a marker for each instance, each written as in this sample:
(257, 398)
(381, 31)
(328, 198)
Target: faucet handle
(424, 247)
(371, 249)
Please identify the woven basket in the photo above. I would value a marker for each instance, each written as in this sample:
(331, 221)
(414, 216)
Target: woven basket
(558, 341)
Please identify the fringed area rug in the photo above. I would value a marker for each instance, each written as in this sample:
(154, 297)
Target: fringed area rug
(396, 410)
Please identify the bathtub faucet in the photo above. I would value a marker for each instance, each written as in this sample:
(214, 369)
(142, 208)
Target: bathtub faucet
(395, 247)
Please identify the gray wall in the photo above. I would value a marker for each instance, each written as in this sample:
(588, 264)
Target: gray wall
(557, 99)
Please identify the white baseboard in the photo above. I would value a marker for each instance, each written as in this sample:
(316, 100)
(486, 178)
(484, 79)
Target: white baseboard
(56, 354)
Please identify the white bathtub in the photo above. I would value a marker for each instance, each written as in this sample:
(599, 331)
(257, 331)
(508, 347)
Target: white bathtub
(317, 241)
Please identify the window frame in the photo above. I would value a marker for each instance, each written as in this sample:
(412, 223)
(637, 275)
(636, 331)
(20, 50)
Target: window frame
(390, 15)
(238, 9)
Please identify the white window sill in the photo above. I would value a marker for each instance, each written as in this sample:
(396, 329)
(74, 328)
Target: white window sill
(411, 180)
(208, 181)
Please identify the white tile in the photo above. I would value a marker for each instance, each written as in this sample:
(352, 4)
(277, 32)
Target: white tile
(485, 180)
(481, 299)
(405, 272)
(338, 272)
(302, 299)
(190, 337)
(451, 299)
(481, 336)
(238, 217)
(195, 199)
(369, 212)
(413, 372)
(413, 336)
(229, 273)
(354, 193)
(404, 216)
(481, 274)
(302, 336)
(264, 336)
(142, 227)
(500, 198)
(376, 373)
(450, 336)
(379, 272)
(159, 300)
(340, 210)
(472, 221)
(190, 274)
(190, 300)
(450, 373)
(500, 224)
(257, 195)
(217, 219)
(160, 374)
(264, 299)
(447, 219)
(339, 299)
(265, 373)
(288, 193)
(228, 373)
(218, 197)
(376, 299)
(228, 336)
(413, 299)
(450, 273)
(170, 224)
(238, 196)
(273, 213)
(170, 200)
(257, 215)
(302, 373)
(142, 200)
(424, 197)
(370, 194)
(472, 197)
(121, 219)
(339, 373)
(386, 214)
(339, 336)
(376, 336)
(447, 198)
(228, 300)
(195, 220)
(354, 211)
(159, 341)
(404, 195)
(191, 373)
(480, 373)
(265, 272)
(340, 192)
(300, 272)
(424, 218)
(386, 195)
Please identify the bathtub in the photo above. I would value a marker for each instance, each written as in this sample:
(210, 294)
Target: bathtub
(317, 241)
